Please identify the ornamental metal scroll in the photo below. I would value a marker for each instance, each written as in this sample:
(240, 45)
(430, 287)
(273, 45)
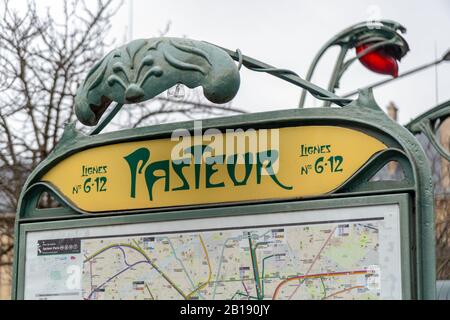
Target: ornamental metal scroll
(366, 37)
(429, 123)
(142, 69)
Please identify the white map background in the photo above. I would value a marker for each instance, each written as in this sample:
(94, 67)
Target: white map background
(320, 254)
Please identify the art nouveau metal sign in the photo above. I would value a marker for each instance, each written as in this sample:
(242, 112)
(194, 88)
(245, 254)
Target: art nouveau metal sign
(275, 205)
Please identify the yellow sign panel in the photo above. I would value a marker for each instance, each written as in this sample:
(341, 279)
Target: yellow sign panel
(213, 168)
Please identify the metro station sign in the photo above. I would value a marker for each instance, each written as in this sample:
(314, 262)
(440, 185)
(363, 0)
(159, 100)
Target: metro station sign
(214, 167)
(276, 205)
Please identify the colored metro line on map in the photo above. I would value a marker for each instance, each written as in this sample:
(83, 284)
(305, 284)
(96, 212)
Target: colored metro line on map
(295, 262)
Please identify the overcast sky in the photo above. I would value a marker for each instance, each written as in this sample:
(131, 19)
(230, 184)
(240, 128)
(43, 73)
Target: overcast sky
(287, 34)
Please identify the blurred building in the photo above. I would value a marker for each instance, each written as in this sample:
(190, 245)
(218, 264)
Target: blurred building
(6, 254)
(442, 204)
(445, 166)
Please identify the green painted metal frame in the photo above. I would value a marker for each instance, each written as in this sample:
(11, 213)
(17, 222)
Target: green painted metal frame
(428, 123)
(217, 71)
(384, 32)
(402, 200)
(362, 114)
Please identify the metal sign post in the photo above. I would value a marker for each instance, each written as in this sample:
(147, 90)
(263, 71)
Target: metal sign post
(273, 205)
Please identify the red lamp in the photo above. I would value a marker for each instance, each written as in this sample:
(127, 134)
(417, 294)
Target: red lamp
(380, 60)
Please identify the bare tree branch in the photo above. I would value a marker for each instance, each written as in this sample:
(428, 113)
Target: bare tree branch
(44, 58)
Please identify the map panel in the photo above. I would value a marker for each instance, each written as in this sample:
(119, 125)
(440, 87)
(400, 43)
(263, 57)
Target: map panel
(351, 253)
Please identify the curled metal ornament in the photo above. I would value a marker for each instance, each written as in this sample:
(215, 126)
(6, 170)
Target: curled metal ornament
(429, 122)
(382, 33)
(142, 69)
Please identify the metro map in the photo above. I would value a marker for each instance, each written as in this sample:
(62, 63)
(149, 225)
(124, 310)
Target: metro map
(319, 260)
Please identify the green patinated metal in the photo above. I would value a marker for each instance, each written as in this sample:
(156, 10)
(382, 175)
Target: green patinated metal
(143, 69)
(362, 114)
(380, 33)
(429, 122)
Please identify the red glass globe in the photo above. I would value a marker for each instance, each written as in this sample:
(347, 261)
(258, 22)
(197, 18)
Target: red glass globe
(378, 60)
